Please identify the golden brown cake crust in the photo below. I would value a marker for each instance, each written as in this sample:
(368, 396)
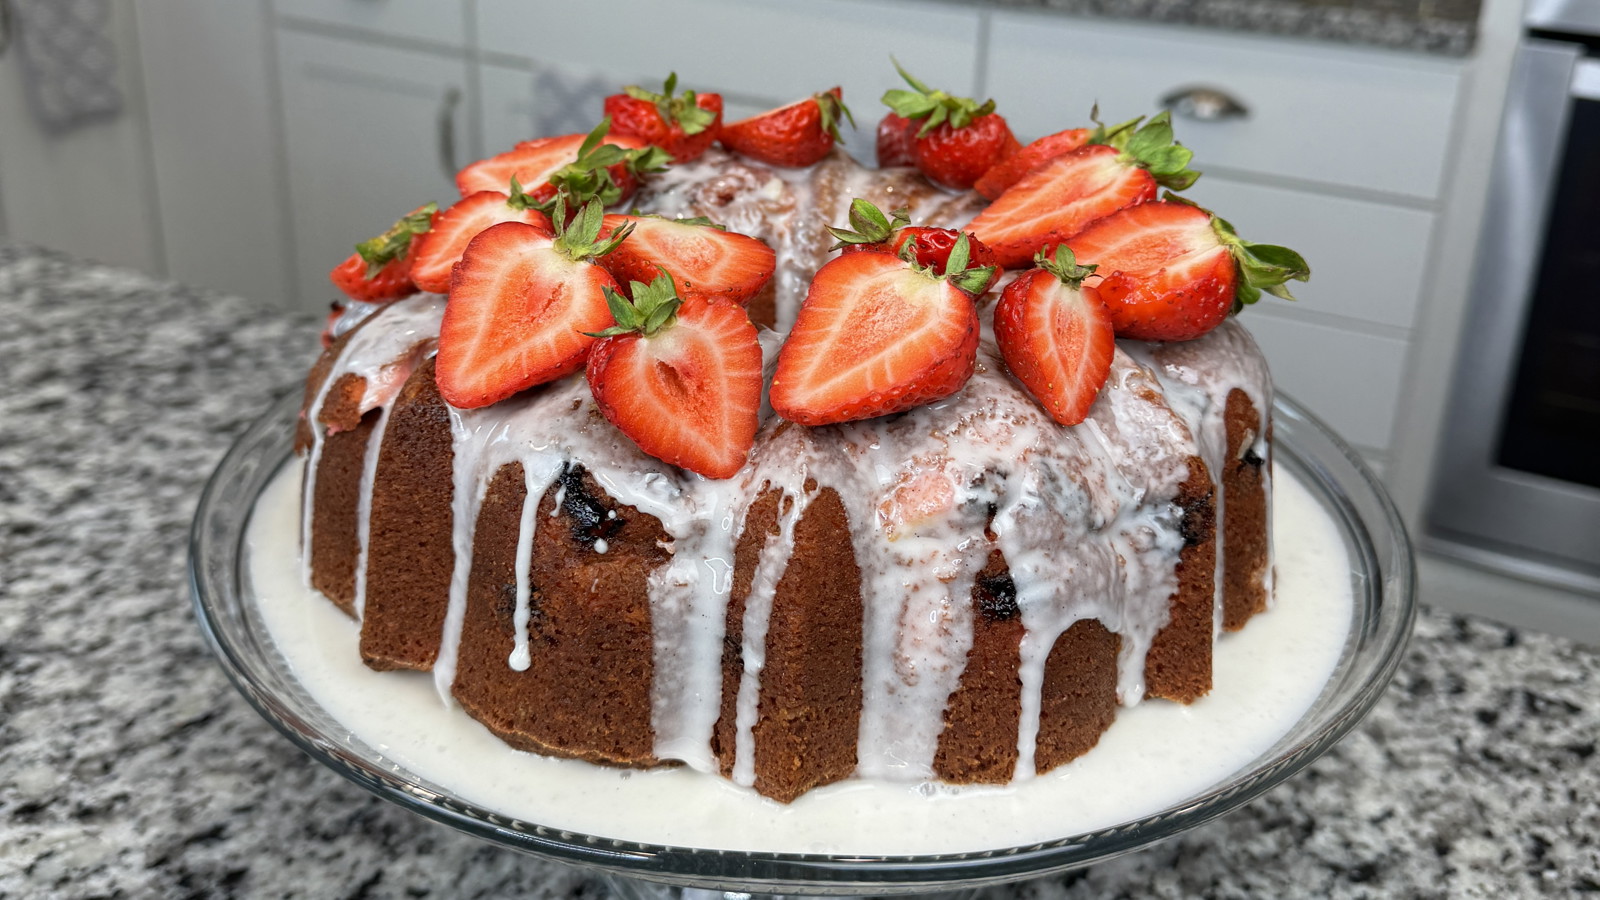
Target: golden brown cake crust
(1178, 665)
(809, 709)
(1079, 696)
(586, 692)
(410, 556)
(336, 507)
(987, 704)
(1245, 543)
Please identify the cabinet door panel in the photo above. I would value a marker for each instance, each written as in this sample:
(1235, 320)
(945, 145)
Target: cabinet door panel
(1351, 381)
(1368, 119)
(362, 130)
(1367, 259)
(767, 52)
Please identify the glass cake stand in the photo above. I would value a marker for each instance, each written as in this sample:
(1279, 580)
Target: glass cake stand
(1381, 572)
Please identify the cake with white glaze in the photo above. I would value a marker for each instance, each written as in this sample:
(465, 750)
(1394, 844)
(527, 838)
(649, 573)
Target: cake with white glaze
(964, 591)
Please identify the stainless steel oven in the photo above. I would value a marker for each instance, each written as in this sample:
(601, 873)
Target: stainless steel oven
(1518, 481)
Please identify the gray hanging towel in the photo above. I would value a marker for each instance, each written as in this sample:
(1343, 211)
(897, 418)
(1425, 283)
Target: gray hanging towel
(68, 60)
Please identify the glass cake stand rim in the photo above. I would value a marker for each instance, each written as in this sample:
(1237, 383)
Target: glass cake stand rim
(1384, 577)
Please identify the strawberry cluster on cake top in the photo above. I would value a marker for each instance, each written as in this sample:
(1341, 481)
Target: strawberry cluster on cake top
(549, 271)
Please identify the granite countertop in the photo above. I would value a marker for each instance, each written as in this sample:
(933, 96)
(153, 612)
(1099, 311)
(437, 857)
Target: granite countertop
(1447, 27)
(132, 768)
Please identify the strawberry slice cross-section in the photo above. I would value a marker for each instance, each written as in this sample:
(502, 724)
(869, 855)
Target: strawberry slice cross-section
(523, 302)
(1055, 336)
(876, 335)
(707, 261)
(681, 378)
(1172, 271)
(1120, 167)
(437, 252)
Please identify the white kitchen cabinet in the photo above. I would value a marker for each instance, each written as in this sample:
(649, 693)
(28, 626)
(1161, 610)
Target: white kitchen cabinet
(1367, 259)
(1323, 113)
(756, 53)
(370, 133)
(416, 20)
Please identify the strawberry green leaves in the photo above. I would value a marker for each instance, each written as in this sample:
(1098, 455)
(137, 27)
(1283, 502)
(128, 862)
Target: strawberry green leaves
(681, 109)
(870, 225)
(653, 307)
(933, 107)
(1152, 147)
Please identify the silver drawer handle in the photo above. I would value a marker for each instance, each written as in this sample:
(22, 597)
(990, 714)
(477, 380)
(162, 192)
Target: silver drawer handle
(1204, 104)
(447, 131)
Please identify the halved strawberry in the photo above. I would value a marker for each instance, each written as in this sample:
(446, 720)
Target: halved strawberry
(1010, 170)
(926, 246)
(957, 139)
(598, 164)
(707, 261)
(897, 141)
(1055, 335)
(522, 301)
(682, 378)
(1061, 198)
(380, 269)
(437, 252)
(796, 135)
(1171, 271)
(875, 336)
(683, 126)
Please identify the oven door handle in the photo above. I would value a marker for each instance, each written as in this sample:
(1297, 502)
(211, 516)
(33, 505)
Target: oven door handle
(1586, 79)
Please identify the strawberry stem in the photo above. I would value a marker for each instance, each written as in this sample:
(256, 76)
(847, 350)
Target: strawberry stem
(683, 111)
(870, 224)
(579, 240)
(396, 242)
(1064, 266)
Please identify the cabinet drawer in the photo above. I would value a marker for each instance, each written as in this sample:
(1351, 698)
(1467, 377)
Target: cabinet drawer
(767, 52)
(1367, 259)
(423, 20)
(1367, 119)
(1351, 381)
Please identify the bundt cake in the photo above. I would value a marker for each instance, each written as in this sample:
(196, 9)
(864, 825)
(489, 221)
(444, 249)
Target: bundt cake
(963, 591)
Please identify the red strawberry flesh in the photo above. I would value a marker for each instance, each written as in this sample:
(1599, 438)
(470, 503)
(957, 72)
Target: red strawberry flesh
(874, 337)
(689, 395)
(1057, 340)
(1059, 200)
(516, 316)
(705, 262)
(1162, 272)
(437, 252)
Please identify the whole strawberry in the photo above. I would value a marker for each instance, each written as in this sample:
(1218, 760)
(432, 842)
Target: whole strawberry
(795, 135)
(682, 379)
(932, 248)
(958, 139)
(683, 125)
(380, 269)
(897, 141)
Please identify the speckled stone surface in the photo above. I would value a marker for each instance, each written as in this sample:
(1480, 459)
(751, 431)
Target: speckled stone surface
(130, 768)
(1447, 27)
